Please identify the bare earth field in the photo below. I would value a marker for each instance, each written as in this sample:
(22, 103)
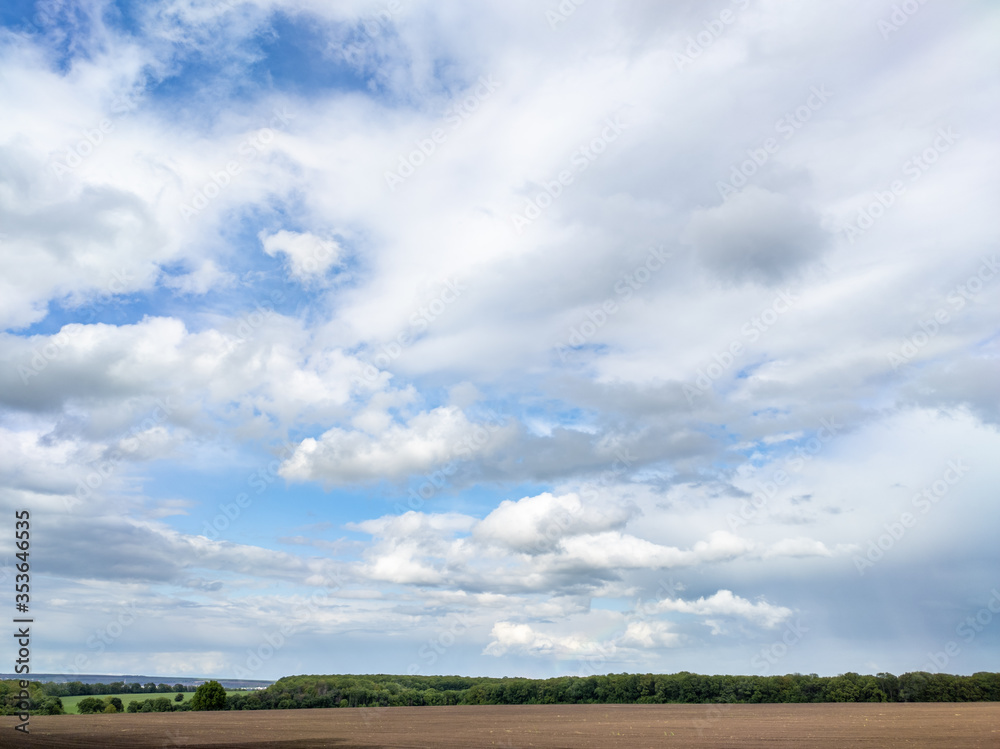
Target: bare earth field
(937, 726)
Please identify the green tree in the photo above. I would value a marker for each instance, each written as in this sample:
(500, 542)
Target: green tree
(209, 696)
(115, 703)
(179, 697)
(90, 705)
(162, 704)
(52, 706)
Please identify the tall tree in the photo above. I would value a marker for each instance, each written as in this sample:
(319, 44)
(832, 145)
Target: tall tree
(209, 696)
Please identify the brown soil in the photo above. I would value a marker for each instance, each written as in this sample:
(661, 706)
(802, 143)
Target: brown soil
(934, 726)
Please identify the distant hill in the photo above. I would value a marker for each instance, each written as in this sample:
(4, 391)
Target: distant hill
(134, 679)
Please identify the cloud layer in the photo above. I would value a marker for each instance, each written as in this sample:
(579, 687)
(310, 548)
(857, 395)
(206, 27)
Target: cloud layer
(500, 339)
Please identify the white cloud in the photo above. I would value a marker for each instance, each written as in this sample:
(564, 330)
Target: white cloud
(428, 441)
(649, 634)
(509, 637)
(726, 604)
(797, 547)
(203, 279)
(539, 523)
(309, 257)
(143, 220)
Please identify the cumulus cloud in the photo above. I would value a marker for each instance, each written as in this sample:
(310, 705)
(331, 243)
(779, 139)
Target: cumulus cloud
(539, 523)
(309, 257)
(509, 637)
(251, 360)
(61, 245)
(648, 635)
(725, 603)
(522, 553)
(426, 442)
(240, 210)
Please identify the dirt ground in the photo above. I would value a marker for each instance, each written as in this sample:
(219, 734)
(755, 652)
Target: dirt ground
(914, 726)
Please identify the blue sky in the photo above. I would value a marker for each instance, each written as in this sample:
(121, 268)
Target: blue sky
(506, 339)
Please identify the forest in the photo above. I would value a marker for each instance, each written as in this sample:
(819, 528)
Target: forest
(683, 687)
(383, 690)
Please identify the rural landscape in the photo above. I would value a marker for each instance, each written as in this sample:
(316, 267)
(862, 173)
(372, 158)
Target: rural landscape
(525, 374)
(614, 710)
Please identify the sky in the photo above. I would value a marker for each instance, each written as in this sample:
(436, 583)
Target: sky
(513, 338)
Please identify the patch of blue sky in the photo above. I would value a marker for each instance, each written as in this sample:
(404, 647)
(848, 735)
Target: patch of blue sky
(546, 414)
(65, 29)
(20, 15)
(234, 505)
(784, 447)
(660, 475)
(295, 57)
(291, 55)
(247, 254)
(115, 309)
(565, 351)
(260, 280)
(748, 370)
(201, 88)
(125, 16)
(771, 412)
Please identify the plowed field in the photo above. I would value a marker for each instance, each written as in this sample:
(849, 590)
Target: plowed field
(934, 726)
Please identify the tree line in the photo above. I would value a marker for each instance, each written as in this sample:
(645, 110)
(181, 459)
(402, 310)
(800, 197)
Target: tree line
(74, 688)
(382, 690)
(683, 687)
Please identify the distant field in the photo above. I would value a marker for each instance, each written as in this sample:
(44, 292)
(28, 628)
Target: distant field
(70, 703)
(940, 725)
